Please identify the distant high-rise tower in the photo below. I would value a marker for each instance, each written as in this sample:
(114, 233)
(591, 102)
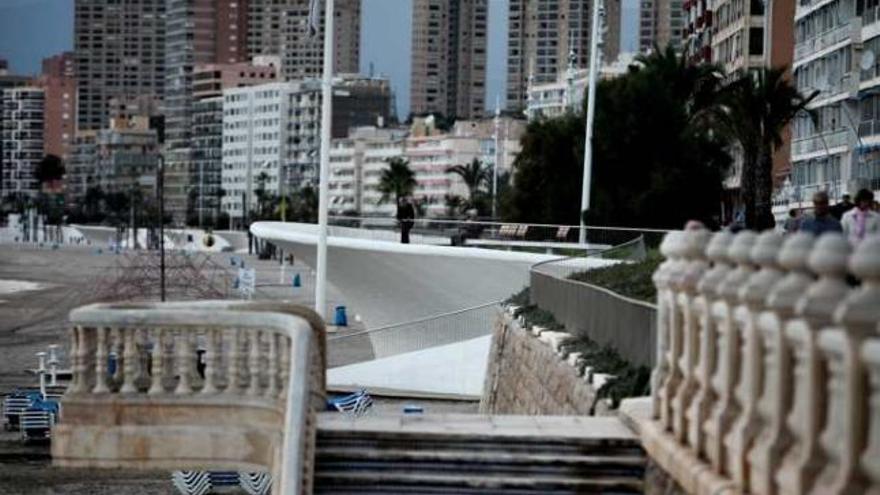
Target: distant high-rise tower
(120, 51)
(449, 57)
(543, 34)
(197, 32)
(661, 23)
(59, 86)
(280, 27)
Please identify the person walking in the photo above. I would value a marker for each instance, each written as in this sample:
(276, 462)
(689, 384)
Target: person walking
(821, 220)
(406, 216)
(861, 220)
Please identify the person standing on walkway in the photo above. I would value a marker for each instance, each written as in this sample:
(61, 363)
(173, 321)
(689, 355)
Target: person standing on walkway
(844, 206)
(406, 216)
(793, 222)
(861, 220)
(821, 220)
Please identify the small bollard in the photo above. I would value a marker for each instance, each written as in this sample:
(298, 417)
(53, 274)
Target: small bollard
(341, 320)
(297, 282)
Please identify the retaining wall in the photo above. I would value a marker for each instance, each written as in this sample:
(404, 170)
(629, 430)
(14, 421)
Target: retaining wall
(527, 376)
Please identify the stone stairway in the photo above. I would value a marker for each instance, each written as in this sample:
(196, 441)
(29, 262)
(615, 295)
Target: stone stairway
(470, 454)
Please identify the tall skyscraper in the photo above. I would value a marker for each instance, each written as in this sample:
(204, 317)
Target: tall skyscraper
(120, 51)
(662, 23)
(197, 32)
(22, 137)
(280, 27)
(59, 84)
(449, 57)
(544, 34)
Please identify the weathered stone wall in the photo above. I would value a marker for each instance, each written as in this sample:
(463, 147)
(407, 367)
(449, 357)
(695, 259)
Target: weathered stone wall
(526, 375)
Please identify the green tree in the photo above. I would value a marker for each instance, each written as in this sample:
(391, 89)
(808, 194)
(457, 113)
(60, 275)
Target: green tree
(49, 170)
(656, 160)
(755, 109)
(474, 174)
(396, 181)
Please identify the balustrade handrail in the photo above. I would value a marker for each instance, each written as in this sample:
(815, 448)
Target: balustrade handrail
(302, 367)
(768, 362)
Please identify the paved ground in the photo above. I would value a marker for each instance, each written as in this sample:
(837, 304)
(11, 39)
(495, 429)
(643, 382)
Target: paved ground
(30, 321)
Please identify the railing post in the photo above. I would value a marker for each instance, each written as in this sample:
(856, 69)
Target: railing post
(232, 365)
(671, 346)
(753, 296)
(130, 363)
(660, 278)
(871, 454)
(694, 252)
(254, 363)
(101, 361)
(158, 371)
(211, 358)
(803, 461)
(846, 428)
(775, 402)
(708, 337)
(726, 408)
(183, 364)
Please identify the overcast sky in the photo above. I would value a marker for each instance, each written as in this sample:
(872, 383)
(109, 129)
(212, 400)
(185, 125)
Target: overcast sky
(31, 30)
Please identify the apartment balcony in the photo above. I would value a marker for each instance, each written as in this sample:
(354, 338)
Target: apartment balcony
(823, 142)
(850, 30)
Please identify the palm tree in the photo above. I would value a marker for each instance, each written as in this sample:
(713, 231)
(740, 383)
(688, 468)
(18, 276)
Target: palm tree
(396, 181)
(474, 175)
(756, 108)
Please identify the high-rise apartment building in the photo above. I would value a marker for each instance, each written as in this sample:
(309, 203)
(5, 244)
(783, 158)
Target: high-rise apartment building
(197, 32)
(7, 81)
(22, 137)
(120, 51)
(280, 27)
(662, 23)
(543, 35)
(449, 40)
(59, 86)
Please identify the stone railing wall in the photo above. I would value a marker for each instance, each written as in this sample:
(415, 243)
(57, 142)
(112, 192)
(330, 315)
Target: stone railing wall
(195, 386)
(530, 373)
(768, 364)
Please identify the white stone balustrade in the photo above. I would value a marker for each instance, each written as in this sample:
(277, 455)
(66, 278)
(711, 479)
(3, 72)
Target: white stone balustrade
(768, 372)
(206, 385)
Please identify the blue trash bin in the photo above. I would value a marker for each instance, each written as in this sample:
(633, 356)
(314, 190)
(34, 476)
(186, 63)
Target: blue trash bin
(341, 319)
(297, 282)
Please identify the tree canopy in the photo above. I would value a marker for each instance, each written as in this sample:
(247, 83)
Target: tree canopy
(396, 181)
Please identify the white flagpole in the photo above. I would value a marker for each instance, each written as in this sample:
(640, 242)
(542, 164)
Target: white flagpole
(324, 189)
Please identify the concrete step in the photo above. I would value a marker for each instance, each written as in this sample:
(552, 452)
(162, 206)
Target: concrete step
(344, 481)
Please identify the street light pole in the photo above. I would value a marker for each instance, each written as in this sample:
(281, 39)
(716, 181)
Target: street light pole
(324, 184)
(160, 189)
(595, 34)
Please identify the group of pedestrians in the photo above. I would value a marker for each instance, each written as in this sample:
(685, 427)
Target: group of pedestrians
(854, 219)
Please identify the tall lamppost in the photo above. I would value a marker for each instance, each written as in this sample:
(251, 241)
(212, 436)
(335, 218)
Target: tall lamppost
(595, 41)
(160, 191)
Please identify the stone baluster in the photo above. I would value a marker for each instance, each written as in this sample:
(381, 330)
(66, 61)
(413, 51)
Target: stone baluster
(77, 384)
(284, 364)
(694, 252)
(254, 362)
(775, 400)
(846, 428)
(724, 381)
(703, 399)
(158, 372)
(210, 385)
(753, 295)
(130, 362)
(672, 346)
(871, 455)
(184, 362)
(232, 364)
(661, 282)
(272, 387)
(101, 386)
(118, 347)
(803, 460)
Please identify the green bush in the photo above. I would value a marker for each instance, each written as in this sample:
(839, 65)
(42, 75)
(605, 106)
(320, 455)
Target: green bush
(628, 279)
